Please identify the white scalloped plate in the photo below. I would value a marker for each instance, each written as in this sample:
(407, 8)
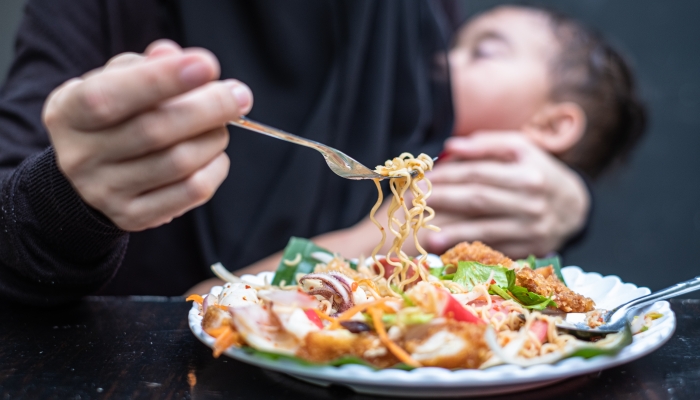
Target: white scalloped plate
(607, 292)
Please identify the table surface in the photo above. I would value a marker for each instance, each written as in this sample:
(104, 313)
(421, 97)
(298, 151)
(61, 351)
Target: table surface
(118, 348)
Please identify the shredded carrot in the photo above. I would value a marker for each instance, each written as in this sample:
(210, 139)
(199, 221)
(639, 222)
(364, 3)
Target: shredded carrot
(354, 286)
(226, 339)
(394, 348)
(350, 312)
(196, 298)
(216, 332)
(323, 315)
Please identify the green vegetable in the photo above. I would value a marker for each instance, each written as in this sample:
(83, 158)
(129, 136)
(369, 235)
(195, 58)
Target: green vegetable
(437, 271)
(610, 345)
(531, 300)
(299, 247)
(525, 297)
(495, 289)
(472, 273)
(336, 363)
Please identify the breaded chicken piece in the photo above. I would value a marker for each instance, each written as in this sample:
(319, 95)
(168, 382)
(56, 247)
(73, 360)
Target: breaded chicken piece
(216, 318)
(475, 251)
(547, 284)
(450, 345)
(328, 345)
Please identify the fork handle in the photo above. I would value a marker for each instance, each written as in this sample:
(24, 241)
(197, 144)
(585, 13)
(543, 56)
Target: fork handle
(671, 291)
(254, 126)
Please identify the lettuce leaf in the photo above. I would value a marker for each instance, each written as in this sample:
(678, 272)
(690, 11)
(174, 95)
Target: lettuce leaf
(333, 363)
(525, 297)
(531, 300)
(471, 273)
(305, 249)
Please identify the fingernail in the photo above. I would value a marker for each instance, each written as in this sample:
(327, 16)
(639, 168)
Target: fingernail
(243, 96)
(195, 74)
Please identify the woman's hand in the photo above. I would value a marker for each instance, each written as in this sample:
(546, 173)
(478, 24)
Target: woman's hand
(498, 187)
(142, 139)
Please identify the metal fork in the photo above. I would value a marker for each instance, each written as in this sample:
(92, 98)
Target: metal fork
(340, 163)
(614, 320)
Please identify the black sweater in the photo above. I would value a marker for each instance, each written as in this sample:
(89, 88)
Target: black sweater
(358, 75)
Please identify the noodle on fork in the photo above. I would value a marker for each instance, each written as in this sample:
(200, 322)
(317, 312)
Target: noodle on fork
(401, 181)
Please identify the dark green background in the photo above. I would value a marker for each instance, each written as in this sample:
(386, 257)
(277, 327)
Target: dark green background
(646, 222)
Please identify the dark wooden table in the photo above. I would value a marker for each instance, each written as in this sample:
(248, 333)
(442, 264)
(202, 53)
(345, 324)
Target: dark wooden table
(125, 348)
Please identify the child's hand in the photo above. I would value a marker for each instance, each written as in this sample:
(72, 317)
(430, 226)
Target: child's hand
(500, 188)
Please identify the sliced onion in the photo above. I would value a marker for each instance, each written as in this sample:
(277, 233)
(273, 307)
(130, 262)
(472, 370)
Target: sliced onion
(291, 298)
(209, 300)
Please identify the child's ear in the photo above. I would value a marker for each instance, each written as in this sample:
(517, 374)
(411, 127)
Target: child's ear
(557, 127)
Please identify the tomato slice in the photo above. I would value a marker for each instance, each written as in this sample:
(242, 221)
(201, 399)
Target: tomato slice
(457, 312)
(539, 328)
(313, 317)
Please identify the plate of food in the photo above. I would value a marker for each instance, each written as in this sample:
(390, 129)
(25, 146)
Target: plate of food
(469, 322)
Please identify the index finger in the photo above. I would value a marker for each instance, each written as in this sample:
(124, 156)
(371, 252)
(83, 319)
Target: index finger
(492, 173)
(114, 95)
(502, 146)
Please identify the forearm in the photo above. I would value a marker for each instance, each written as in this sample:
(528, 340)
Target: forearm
(53, 248)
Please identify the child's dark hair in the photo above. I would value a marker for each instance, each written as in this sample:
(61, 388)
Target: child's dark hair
(589, 72)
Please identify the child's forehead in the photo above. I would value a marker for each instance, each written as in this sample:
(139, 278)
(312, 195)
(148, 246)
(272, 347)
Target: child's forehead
(516, 25)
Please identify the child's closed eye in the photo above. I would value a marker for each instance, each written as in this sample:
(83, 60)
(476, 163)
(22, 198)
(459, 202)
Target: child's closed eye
(490, 46)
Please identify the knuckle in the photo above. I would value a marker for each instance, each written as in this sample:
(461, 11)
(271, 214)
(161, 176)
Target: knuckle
(198, 188)
(538, 207)
(151, 131)
(477, 202)
(537, 180)
(180, 160)
(97, 104)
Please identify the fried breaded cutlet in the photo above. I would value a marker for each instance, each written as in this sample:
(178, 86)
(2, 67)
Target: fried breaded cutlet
(544, 282)
(475, 251)
(327, 345)
(450, 345)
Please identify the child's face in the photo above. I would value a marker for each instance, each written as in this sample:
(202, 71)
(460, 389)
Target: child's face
(499, 69)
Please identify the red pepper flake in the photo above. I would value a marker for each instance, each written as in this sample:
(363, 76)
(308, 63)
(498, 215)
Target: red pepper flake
(247, 286)
(354, 286)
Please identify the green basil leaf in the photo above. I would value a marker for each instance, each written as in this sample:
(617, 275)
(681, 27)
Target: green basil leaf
(531, 300)
(497, 290)
(305, 248)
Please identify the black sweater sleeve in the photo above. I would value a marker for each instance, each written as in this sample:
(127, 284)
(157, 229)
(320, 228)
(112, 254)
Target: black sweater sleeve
(53, 247)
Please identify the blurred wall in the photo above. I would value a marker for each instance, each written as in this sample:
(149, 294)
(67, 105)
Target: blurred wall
(10, 14)
(646, 220)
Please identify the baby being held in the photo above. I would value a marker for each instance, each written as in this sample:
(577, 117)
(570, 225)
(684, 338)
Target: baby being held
(532, 70)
